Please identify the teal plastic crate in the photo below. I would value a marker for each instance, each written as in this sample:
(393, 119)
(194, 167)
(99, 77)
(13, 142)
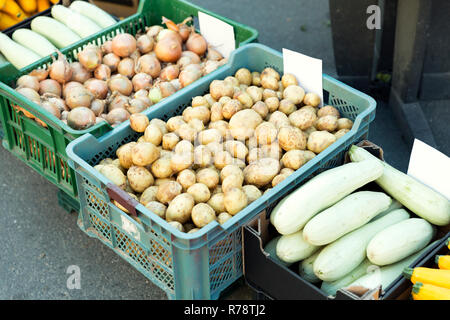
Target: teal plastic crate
(203, 264)
(44, 149)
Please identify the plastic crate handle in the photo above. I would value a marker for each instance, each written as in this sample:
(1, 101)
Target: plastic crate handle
(123, 198)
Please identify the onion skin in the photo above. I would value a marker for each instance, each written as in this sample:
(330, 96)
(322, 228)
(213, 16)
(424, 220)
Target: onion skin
(123, 45)
(98, 88)
(190, 74)
(81, 118)
(50, 107)
(194, 57)
(112, 61)
(68, 86)
(214, 55)
(141, 81)
(98, 106)
(168, 49)
(78, 97)
(153, 31)
(60, 69)
(166, 88)
(137, 106)
(118, 101)
(90, 57)
(197, 44)
(149, 64)
(126, 67)
(79, 73)
(145, 44)
(55, 100)
(27, 81)
(30, 94)
(50, 86)
(107, 47)
(40, 74)
(120, 84)
(169, 34)
(102, 72)
(117, 116)
(170, 72)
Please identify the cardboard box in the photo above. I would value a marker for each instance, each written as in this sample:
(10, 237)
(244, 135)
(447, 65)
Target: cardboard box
(119, 8)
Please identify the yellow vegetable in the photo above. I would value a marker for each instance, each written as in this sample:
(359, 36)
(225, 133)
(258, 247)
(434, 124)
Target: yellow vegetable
(12, 8)
(7, 21)
(28, 6)
(54, 1)
(443, 262)
(448, 243)
(43, 5)
(424, 291)
(435, 277)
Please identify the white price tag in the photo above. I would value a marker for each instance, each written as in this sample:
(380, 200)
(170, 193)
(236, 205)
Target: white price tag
(130, 228)
(430, 167)
(306, 69)
(218, 34)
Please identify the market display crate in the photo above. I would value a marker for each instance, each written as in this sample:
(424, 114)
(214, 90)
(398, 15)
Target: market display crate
(202, 264)
(43, 149)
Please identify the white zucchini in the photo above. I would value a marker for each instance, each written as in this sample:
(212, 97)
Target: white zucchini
(306, 270)
(102, 18)
(348, 214)
(34, 41)
(342, 256)
(82, 25)
(417, 197)
(2, 59)
(394, 206)
(18, 55)
(294, 211)
(58, 34)
(384, 276)
(292, 248)
(330, 288)
(399, 241)
(271, 248)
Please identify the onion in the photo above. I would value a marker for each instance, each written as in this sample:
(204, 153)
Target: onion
(145, 44)
(194, 57)
(30, 94)
(78, 97)
(213, 54)
(168, 49)
(98, 88)
(126, 67)
(81, 118)
(169, 34)
(79, 73)
(170, 72)
(107, 47)
(141, 93)
(60, 69)
(176, 84)
(52, 108)
(153, 31)
(149, 64)
(123, 45)
(112, 61)
(27, 81)
(102, 72)
(118, 101)
(155, 95)
(55, 100)
(68, 86)
(117, 116)
(40, 74)
(64, 115)
(135, 55)
(98, 106)
(141, 81)
(50, 86)
(196, 43)
(190, 74)
(137, 106)
(121, 84)
(146, 100)
(90, 57)
(184, 31)
(210, 66)
(166, 88)
(183, 62)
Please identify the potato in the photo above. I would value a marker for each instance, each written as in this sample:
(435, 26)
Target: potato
(328, 110)
(202, 113)
(222, 158)
(202, 156)
(302, 119)
(261, 172)
(114, 174)
(266, 133)
(328, 123)
(140, 178)
(209, 135)
(291, 138)
(311, 99)
(160, 124)
(184, 146)
(289, 79)
(125, 155)
(235, 200)
(288, 171)
(106, 161)
(244, 98)
(341, 133)
(287, 106)
(251, 192)
(238, 162)
(215, 147)
(139, 122)
(161, 168)
(269, 82)
(159, 182)
(216, 202)
(320, 140)
(187, 132)
(271, 151)
(309, 108)
(197, 124)
(170, 140)
(177, 225)
(278, 178)
(222, 126)
(193, 230)
(186, 178)
(254, 154)
(293, 159)
(202, 214)
(148, 195)
(167, 191)
(279, 119)
(268, 93)
(216, 112)
(294, 93)
(244, 76)
(232, 181)
(180, 208)
(181, 161)
(229, 170)
(273, 103)
(270, 72)
(255, 93)
(209, 177)
(174, 123)
(344, 123)
(237, 149)
(230, 108)
(143, 154)
(199, 101)
(116, 162)
(256, 78)
(261, 108)
(153, 134)
(200, 192)
(217, 189)
(308, 155)
(223, 217)
(242, 125)
(233, 81)
(118, 205)
(157, 208)
(308, 131)
(224, 99)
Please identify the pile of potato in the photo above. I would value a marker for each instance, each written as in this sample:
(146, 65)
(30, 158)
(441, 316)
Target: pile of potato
(250, 132)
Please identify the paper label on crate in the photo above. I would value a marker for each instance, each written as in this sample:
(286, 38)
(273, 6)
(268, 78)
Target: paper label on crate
(130, 228)
(430, 167)
(306, 69)
(218, 34)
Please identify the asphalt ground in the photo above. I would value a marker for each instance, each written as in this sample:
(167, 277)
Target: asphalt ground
(40, 241)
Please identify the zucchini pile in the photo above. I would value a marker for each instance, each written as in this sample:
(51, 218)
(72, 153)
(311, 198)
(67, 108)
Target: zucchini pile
(345, 237)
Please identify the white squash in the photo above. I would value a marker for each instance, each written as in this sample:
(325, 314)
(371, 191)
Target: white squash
(18, 55)
(102, 18)
(80, 24)
(55, 31)
(306, 270)
(292, 248)
(34, 41)
(271, 248)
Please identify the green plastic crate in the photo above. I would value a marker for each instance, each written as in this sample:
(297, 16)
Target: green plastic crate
(203, 264)
(43, 149)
